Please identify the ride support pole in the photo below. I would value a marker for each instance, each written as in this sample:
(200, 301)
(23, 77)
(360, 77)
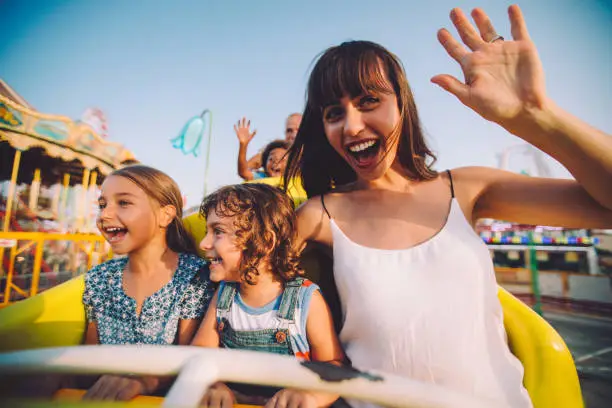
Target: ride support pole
(11, 192)
(535, 276)
(9, 204)
(207, 148)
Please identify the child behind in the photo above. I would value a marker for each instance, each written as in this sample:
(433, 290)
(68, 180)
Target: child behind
(160, 291)
(262, 303)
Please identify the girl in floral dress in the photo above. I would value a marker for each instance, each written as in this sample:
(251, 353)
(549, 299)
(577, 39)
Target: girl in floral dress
(158, 293)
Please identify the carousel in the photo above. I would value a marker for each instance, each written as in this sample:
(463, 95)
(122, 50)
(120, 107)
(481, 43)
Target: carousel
(50, 169)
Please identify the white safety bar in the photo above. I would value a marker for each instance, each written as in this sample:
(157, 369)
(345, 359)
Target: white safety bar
(197, 368)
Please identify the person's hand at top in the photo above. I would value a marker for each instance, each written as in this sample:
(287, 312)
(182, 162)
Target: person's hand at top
(504, 80)
(243, 131)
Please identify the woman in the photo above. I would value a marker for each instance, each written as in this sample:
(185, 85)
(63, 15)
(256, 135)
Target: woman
(416, 284)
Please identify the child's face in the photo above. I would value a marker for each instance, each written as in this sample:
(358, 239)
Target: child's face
(220, 248)
(277, 161)
(128, 219)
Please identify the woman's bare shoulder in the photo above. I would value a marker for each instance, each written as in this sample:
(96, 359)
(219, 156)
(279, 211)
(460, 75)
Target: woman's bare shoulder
(313, 220)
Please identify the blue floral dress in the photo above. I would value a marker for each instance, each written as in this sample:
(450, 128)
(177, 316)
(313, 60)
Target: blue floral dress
(186, 296)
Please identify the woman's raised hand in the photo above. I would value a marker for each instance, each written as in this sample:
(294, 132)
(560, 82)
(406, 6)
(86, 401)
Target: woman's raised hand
(504, 80)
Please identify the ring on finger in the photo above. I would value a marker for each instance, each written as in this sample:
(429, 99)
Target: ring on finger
(496, 37)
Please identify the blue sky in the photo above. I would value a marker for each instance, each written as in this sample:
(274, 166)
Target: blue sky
(150, 65)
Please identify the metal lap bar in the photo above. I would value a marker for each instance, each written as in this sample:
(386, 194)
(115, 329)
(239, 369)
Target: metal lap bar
(197, 368)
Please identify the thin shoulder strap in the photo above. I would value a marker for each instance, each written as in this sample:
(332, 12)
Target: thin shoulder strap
(325, 208)
(450, 177)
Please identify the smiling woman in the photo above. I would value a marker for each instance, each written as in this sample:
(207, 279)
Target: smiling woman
(337, 103)
(401, 233)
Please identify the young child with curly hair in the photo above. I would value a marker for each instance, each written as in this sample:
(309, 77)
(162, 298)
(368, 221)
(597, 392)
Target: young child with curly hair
(263, 303)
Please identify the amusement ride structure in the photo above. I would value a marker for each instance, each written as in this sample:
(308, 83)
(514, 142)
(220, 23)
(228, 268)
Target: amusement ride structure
(50, 169)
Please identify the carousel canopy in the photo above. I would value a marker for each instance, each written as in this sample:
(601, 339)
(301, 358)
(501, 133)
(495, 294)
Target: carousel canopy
(56, 145)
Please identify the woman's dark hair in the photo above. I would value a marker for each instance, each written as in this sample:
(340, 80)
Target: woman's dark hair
(275, 144)
(162, 189)
(353, 68)
(266, 227)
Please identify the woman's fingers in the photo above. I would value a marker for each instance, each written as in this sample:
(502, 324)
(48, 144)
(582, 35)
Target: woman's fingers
(484, 24)
(452, 46)
(518, 26)
(452, 85)
(466, 30)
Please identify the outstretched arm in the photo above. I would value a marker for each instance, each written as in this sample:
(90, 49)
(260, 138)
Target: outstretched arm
(244, 138)
(504, 83)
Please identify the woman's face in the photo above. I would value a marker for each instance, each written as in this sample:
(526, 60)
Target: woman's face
(364, 130)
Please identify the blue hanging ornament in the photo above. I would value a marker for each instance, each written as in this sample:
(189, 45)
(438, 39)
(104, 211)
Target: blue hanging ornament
(190, 138)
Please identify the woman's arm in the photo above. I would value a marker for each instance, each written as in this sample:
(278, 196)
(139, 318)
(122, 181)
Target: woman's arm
(313, 223)
(502, 195)
(504, 83)
(585, 152)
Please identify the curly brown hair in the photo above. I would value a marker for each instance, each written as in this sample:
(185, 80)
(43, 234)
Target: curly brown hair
(273, 145)
(266, 228)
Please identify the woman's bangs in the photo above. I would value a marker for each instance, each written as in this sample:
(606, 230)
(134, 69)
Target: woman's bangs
(346, 71)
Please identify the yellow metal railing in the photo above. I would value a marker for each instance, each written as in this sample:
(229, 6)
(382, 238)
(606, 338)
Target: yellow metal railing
(29, 247)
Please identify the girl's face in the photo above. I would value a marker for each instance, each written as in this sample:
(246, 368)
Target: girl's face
(220, 248)
(364, 130)
(128, 218)
(277, 161)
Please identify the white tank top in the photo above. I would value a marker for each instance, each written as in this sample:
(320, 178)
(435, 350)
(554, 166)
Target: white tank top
(432, 313)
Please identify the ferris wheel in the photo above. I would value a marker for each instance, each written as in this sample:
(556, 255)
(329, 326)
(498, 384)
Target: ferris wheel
(96, 118)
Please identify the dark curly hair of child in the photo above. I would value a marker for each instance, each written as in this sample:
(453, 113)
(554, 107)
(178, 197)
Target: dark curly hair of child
(273, 145)
(266, 227)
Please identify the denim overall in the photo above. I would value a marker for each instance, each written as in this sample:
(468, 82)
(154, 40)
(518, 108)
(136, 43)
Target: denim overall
(274, 340)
